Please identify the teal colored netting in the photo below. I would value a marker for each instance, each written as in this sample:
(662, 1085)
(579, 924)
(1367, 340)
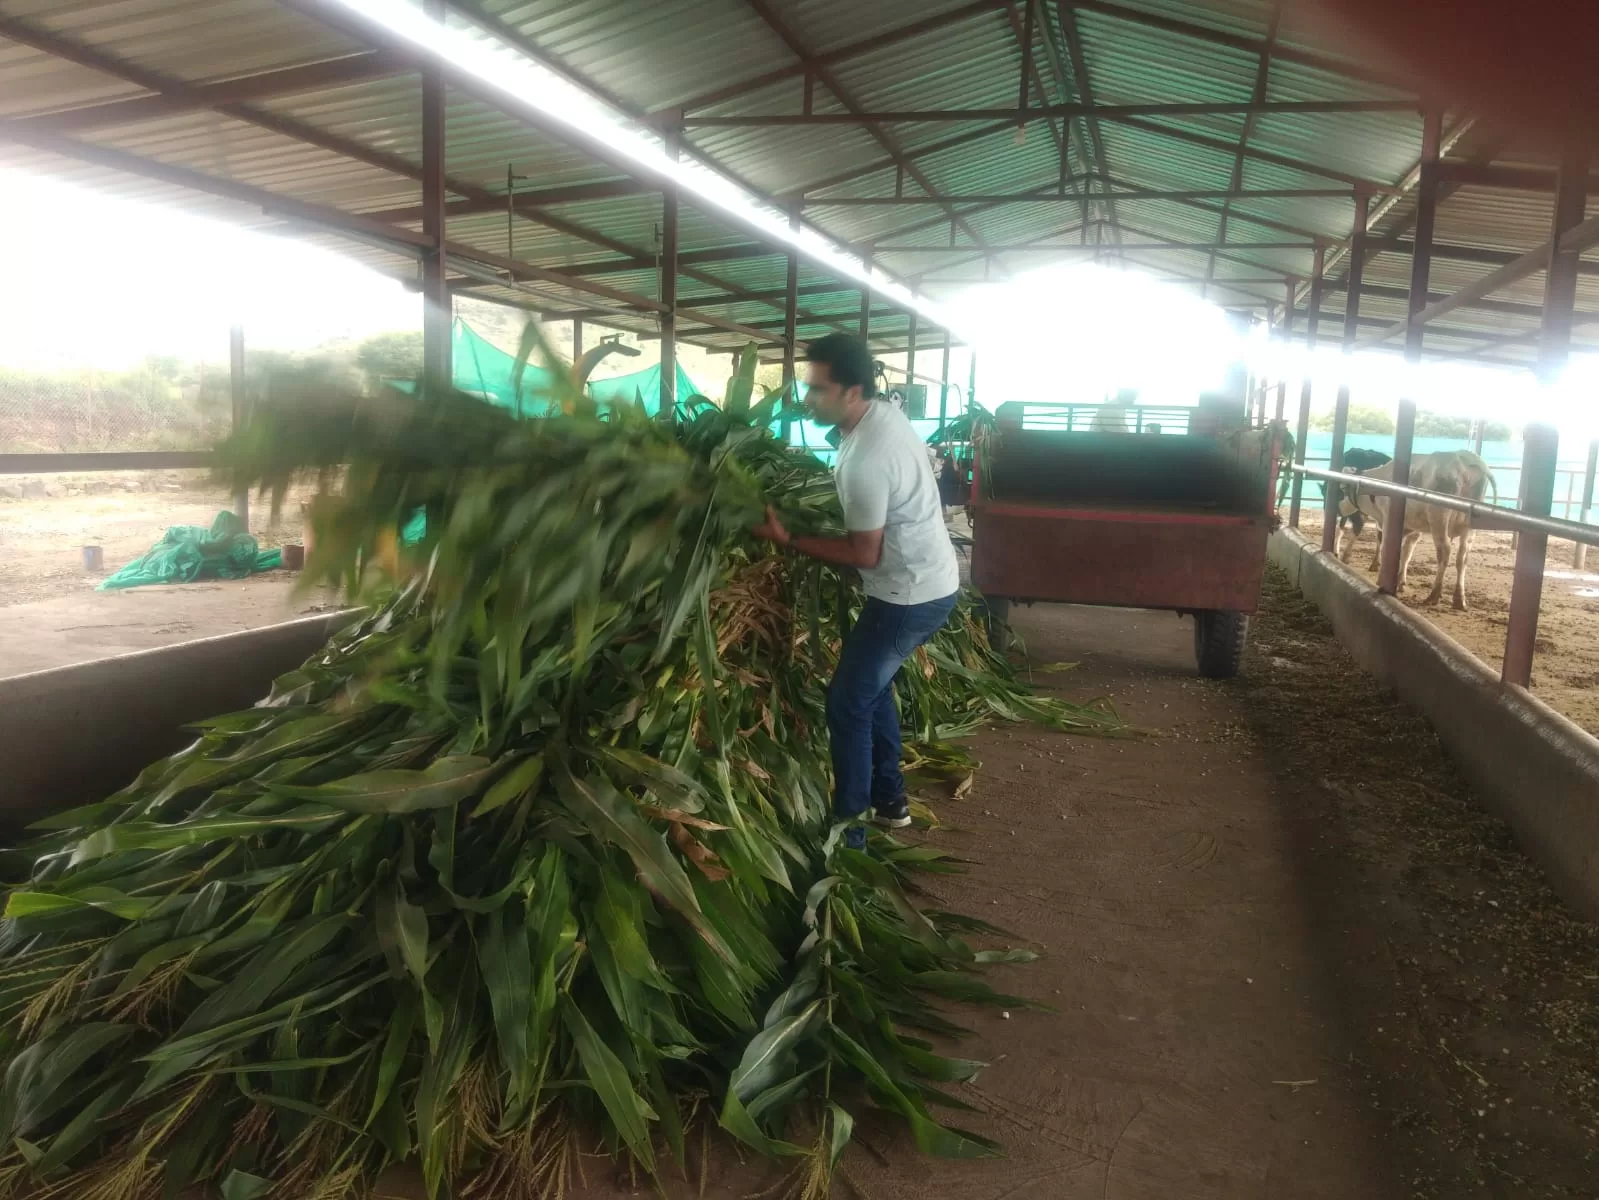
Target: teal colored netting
(190, 552)
(483, 369)
(639, 387)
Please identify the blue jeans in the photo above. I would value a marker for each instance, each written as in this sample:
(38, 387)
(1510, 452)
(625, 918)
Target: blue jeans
(861, 717)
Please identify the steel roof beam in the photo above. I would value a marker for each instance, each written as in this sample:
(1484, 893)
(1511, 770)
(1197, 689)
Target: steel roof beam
(95, 59)
(531, 200)
(1054, 196)
(1449, 331)
(1405, 188)
(1474, 254)
(405, 241)
(1249, 45)
(170, 100)
(920, 152)
(1048, 112)
(883, 138)
(1042, 246)
(1085, 93)
(1257, 95)
(1514, 308)
(352, 25)
(828, 321)
(881, 41)
(1277, 160)
(498, 27)
(1025, 29)
(639, 260)
(87, 56)
(1576, 240)
(397, 238)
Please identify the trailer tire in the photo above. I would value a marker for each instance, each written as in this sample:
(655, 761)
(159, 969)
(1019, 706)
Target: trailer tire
(1219, 639)
(996, 617)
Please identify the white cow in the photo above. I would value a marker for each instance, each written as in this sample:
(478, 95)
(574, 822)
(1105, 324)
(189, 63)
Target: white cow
(1453, 472)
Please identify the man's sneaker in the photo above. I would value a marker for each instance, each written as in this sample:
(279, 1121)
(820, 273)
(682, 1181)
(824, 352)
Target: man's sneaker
(892, 814)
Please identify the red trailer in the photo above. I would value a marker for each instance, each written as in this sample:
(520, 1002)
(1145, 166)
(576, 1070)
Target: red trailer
(1167, 520)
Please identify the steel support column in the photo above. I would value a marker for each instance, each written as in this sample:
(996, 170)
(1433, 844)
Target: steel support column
(1579, 560)
(577, 338)
(910, 350)
(1288, 337)
(1415, 333)
(1302, 429)
(866, 313)
(943, 387)
(241, 498)
(1340, 429)
(790, 339)
(668, 282)
(1541, 444)
(437, 304)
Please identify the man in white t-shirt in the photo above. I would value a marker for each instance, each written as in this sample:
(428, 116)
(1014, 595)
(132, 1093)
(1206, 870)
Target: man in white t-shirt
(897, 541)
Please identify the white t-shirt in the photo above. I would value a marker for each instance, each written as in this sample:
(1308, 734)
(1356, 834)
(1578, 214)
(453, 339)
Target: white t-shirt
(886, 482)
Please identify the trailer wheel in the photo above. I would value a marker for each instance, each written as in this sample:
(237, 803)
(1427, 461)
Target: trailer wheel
(996, 616)
(1219, 638)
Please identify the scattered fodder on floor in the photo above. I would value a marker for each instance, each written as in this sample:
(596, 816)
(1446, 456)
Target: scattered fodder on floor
(1471, 990)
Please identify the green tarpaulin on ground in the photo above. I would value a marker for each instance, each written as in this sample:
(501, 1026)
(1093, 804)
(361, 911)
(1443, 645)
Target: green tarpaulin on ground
(190, 552)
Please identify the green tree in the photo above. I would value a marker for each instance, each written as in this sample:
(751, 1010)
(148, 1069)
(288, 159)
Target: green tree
(1443, 425)
(395, 355)
(1363, 418)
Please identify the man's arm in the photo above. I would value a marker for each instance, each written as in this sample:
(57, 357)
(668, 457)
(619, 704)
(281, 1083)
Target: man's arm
(863, 548)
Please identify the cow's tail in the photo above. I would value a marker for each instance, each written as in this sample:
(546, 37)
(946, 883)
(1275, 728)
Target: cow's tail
(1493, 483)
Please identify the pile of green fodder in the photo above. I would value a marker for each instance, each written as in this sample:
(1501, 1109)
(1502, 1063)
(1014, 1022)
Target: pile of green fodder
(535, 855)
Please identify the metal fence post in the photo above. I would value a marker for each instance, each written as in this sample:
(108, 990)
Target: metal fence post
(1579, 559)
(1393, 534)
(1340, 429)
(1541, 443)
(241, 498)
(1302, 430)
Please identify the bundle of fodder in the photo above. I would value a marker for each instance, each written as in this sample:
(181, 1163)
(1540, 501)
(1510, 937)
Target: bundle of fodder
(536, 855)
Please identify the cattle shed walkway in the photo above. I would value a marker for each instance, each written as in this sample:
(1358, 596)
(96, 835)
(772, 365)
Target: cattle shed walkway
(1285, 954)
(1284, 951)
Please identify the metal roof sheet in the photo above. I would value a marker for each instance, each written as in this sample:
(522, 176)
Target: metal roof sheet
(651, 56)
(191, 39)
(39, 82)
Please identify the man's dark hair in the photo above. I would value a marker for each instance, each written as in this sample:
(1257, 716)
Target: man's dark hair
(848, 359)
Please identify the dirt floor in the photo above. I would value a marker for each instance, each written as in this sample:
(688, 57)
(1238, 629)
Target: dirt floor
(1285, 956)
(50, 613)
(1565, 670)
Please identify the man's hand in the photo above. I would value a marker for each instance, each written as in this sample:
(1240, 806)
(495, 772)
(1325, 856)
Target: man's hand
(772, 529)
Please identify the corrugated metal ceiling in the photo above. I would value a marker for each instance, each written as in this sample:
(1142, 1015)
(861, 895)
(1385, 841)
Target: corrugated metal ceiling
(669, 52)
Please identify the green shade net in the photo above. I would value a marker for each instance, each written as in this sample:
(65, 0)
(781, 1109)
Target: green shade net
(482, 368)
(190, 552)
